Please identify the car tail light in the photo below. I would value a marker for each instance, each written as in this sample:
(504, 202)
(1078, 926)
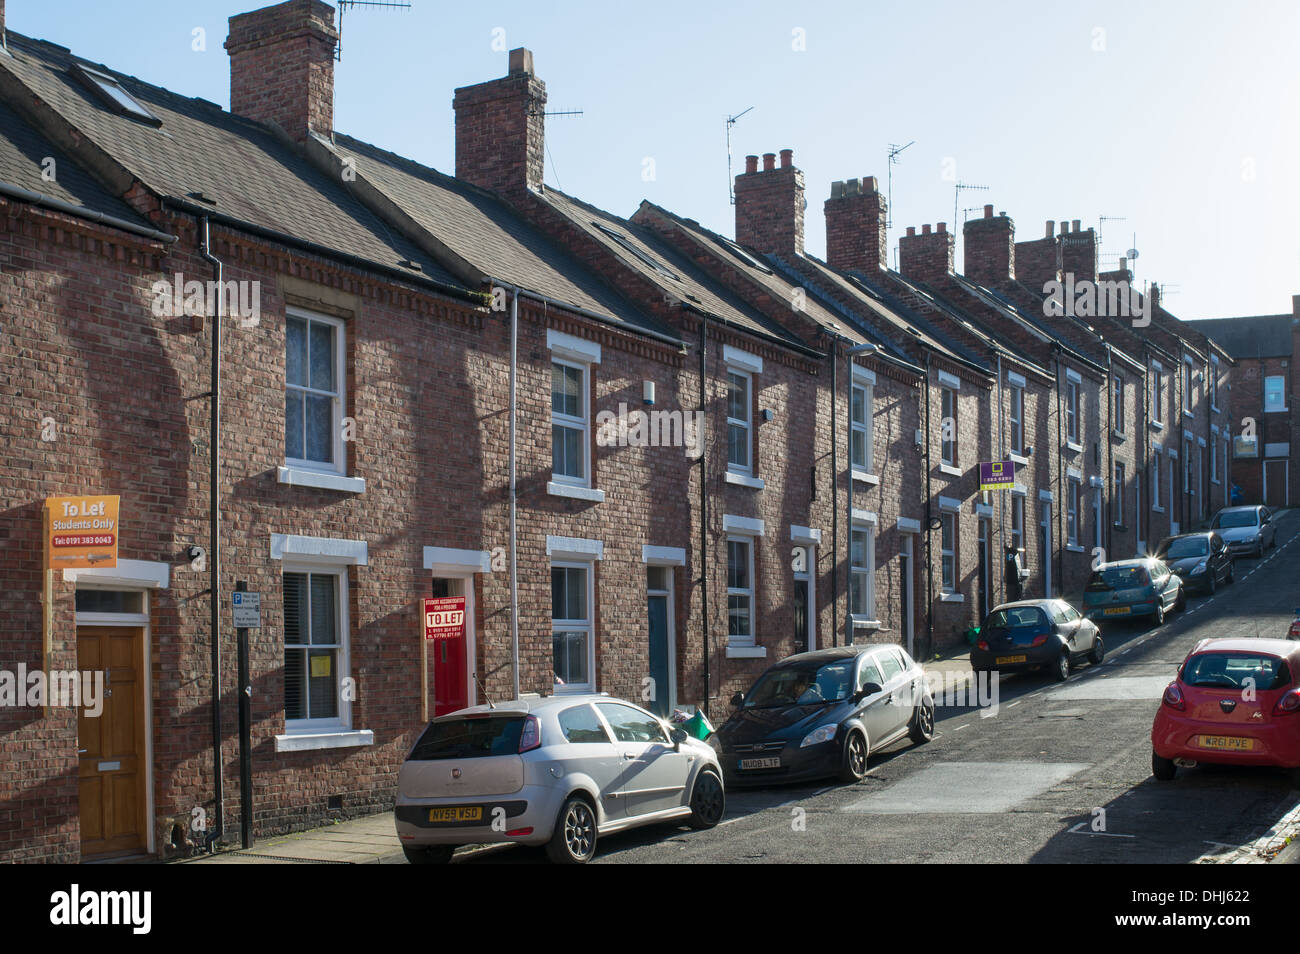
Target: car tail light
(1288, 704)
(1173, 697)
(519, 832)
(982, 644)
(1041, 638)
(531, 736)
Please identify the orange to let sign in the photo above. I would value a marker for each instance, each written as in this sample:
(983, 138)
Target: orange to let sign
(444, 617)
(81, 532)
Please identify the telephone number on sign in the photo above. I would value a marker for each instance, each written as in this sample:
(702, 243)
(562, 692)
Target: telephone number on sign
(99, 540)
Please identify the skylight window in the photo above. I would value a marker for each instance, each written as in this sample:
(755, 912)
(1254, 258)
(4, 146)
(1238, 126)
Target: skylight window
(744, 256)
(645, 257)
(111, 93)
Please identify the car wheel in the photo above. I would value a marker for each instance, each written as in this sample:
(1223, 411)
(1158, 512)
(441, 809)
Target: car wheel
(428, 855)
(1181, 604)
(1098, 651)
(922, 729)
(1231, 573)
(1062, 668)
(574, 840)
(1209, 590)
(1163, 769)
(708, 800)
(855, 758)
(1160, 612)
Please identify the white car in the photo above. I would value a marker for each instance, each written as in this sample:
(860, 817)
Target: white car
(558, 771)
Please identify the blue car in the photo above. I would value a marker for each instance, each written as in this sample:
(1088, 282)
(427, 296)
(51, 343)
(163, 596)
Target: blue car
(1128, 589)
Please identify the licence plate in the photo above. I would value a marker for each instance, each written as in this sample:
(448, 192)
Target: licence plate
(1117, 611)
(1225, 742)
(1008, 660)
(760, 763)
(456, 814)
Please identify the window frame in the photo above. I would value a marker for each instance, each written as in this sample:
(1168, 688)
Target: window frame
(948, 554)
(1117, 493)
(1072, 411)
(865, 427)
(747, 423)
(338, 397)
(1016, 418)
(587, 626)
(1117, 404)
(342, 647)
(750, 593)
(948, 409)
(580, 422)
(863, 575)
(1073, 491)
(1280, 408)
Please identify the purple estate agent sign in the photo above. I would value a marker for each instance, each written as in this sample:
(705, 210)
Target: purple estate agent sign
(997, 475)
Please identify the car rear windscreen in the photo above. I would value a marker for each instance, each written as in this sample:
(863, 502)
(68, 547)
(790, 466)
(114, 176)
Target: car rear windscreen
(1229, 519)
(1018, 617)
(1119, 578)
(1183, 548)
(469, 738)
(1236, 671)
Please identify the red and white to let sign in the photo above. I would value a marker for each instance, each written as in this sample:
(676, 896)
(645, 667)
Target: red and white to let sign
(444, 617)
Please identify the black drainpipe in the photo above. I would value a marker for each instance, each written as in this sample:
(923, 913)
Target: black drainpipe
(215, 832)
(704, 505)
(929, 530)
(835, 500)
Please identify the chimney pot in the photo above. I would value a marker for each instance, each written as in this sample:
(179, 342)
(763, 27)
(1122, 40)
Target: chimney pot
(787, 158)
(1123, 264)
(1076, 226)
(988, 211)
(1065, 227)
(837, 189)
(941, 227)
(521, 61)
(911, 229)
(769, 161)
(870, 185)
(1051, 228)
(751, 163)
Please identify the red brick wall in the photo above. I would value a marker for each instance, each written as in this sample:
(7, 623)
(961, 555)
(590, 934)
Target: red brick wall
(501, 128)
(926, 257)
(989, 249)
(770, 207)
(855, 227)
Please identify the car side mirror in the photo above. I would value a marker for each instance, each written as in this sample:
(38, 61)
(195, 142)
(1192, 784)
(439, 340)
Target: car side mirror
(869, 689)
(678, 736)
(738, 700)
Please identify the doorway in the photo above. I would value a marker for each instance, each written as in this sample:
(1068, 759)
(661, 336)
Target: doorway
(453, 656)
(1276, 480)
(112, 753)
(660, 693)
(1045, 544)
(986, 568)
(905, 591)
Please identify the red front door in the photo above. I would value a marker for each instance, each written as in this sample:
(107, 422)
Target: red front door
(450, 691)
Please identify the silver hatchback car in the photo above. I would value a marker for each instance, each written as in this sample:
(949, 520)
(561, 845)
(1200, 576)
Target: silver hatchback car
(557, 771)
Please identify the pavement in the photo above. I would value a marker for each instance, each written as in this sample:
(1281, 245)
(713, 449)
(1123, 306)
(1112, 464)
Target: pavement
(371, 840)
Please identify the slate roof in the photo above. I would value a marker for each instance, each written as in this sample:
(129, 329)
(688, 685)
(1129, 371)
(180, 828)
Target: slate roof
(687, 282)
(484, 232)
(1256, 336)
(254, 177)
(23, 152)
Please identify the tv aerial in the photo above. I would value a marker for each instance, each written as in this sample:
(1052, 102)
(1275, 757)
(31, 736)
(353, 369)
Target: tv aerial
(894, 150)
(731, 121)
(345, 5)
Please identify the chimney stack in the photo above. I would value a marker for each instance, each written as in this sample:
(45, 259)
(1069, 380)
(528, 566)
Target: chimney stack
(282, 66)
(1079, 253)
(855, 226)
(1036, 259)
(928, 256)
(770, 206)
(990, 249)
(501, 129)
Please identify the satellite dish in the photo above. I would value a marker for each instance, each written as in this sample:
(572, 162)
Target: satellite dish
(1132, 254)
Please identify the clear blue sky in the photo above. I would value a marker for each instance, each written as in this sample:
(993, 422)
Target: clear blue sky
(1180, 117)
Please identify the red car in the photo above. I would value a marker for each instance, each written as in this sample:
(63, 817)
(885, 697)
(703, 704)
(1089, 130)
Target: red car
(1235, 701)
(1294, 631)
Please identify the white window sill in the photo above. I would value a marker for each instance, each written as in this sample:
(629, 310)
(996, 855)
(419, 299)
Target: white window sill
(1156, 508)
(1018, 460)
(1276, 410)
(950, 470)
(577, 493)
(1074, 548)
(1214, 480)
(865, 478)
(952, 598)
(331, 739)
(746, 652)
(1188, 414)
(1119, 436)
(1156, 425)
(743, 480)
(861, 622)
(302, 477)
(1073, 447)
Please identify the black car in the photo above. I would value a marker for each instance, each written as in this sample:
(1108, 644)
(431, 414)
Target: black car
(1035, 633)
(822, 713)
(1201, 560)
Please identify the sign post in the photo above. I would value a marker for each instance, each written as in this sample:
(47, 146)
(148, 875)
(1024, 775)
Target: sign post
(247, 610)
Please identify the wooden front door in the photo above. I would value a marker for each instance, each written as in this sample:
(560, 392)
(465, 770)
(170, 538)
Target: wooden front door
(111, 759)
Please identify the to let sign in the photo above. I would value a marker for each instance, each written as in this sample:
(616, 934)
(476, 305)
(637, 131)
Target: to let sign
(81, 532)
(444, 617)
(997, 475)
